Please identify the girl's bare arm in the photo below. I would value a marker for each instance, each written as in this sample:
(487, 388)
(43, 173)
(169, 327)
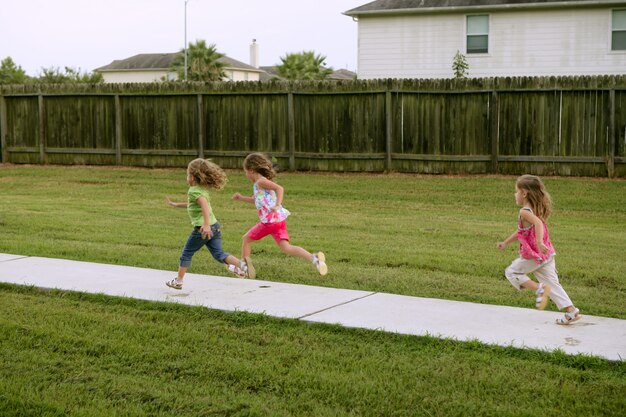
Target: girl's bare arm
(505, 242)
(175, 204)
(245, 199)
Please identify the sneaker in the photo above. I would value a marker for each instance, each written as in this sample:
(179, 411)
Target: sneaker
(319, 260)
(175, 284)
(237, 271)
(569, 317)
(542, 293)
(248, 268)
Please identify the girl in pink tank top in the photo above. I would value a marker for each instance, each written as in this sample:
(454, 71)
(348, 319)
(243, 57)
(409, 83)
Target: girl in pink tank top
(536, 251)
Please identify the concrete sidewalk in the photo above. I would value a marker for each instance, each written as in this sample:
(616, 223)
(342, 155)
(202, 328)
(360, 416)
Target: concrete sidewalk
(499, 325)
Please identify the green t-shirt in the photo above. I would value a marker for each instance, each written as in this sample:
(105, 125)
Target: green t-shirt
(193, 207)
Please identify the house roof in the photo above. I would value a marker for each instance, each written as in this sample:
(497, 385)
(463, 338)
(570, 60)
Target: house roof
(143, 62)
(342, 74)
(424, 6)
(271, 72)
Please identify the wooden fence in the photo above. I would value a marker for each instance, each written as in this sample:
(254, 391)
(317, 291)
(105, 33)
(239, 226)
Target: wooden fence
(547, 126)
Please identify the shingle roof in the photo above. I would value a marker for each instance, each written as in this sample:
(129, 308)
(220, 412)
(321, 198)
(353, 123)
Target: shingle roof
(140, 62)
(162, 62)
(387, 6)
(271, 72)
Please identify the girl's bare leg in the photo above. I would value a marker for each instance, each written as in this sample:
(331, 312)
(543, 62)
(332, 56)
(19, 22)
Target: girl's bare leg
(246, 247)
(181, 273)
(290, 249)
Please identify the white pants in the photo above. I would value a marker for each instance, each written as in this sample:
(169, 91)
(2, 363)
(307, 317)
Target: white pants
(517, 274)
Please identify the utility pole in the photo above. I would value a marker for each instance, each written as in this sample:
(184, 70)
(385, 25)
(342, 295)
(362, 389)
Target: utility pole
(186, 1)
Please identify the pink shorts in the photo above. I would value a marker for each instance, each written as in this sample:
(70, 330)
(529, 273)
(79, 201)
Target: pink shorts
(277, 230)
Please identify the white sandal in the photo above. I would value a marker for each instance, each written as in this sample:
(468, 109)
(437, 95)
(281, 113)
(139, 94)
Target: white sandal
(319, 260)
(569, 317)
(237, 271)
(543, 292)
(248, 268)
(174, 284)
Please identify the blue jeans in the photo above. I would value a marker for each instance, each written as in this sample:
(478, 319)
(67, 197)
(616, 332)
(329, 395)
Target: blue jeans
(195, 242)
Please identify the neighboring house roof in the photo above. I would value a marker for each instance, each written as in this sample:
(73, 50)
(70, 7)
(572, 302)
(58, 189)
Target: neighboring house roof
(421, 6)
(143, 62)
(271, 73)
(162, 62)
(342, 74)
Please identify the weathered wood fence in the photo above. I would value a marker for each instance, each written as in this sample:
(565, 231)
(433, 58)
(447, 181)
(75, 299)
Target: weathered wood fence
(560, 126)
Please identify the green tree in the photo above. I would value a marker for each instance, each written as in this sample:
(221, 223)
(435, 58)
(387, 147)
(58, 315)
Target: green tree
(69, 75)
(11, 73)
(203, 63)
(460, 65)
(303, 66)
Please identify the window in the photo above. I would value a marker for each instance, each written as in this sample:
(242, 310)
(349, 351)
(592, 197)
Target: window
(478, 34)
(618, 28)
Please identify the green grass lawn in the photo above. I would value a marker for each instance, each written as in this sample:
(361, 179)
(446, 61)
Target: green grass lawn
(430, 236)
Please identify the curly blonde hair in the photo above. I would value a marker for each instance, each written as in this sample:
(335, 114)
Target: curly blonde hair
(536, 194)
(207, 173)
(261, 164)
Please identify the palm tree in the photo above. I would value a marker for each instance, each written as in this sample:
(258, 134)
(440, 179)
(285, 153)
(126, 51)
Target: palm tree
(203, 63)
(303, 66)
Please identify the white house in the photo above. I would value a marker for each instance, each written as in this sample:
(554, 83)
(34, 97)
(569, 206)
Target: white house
(145, 68)
(419, 38)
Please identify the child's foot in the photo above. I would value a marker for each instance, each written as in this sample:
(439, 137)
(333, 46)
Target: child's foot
(177, 285)
(542, 294)
(234, 269)
(319, 260)
(569, 317)
(248, 268)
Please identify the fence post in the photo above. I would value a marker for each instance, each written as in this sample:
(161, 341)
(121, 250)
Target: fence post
(610, 163)
(200, 126)
(118, 130)
(292, 132)
(494, 131)
(3, 130)
(388, 130)
(42, 130)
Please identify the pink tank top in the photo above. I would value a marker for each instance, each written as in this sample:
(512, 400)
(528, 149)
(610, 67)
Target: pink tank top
(528, 242)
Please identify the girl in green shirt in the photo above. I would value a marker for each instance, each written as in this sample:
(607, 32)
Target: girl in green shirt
(202, 175)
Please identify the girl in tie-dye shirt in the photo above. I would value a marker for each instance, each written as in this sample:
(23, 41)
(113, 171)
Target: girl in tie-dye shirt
(268, 197)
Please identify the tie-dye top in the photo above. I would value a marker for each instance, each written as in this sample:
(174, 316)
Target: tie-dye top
(264, 200)
(528, 242)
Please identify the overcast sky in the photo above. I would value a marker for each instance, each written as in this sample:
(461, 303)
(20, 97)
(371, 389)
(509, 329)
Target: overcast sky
(87, 34)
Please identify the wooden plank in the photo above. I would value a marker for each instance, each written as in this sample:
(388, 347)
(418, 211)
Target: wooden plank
(3, 130)
(388, 129)
(557, 159)
(239, 154)
(442, 158)
(346, 156)
(610, 163)
(84, 151)
(201, 130)
(42, 130)
(160, 152)
(494, 131)
(118, 130)
(292, 132)
(23, 149)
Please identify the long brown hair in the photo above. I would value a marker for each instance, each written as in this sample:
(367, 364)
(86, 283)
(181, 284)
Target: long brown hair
(207, 173)
(261, 164)
(536, 194)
